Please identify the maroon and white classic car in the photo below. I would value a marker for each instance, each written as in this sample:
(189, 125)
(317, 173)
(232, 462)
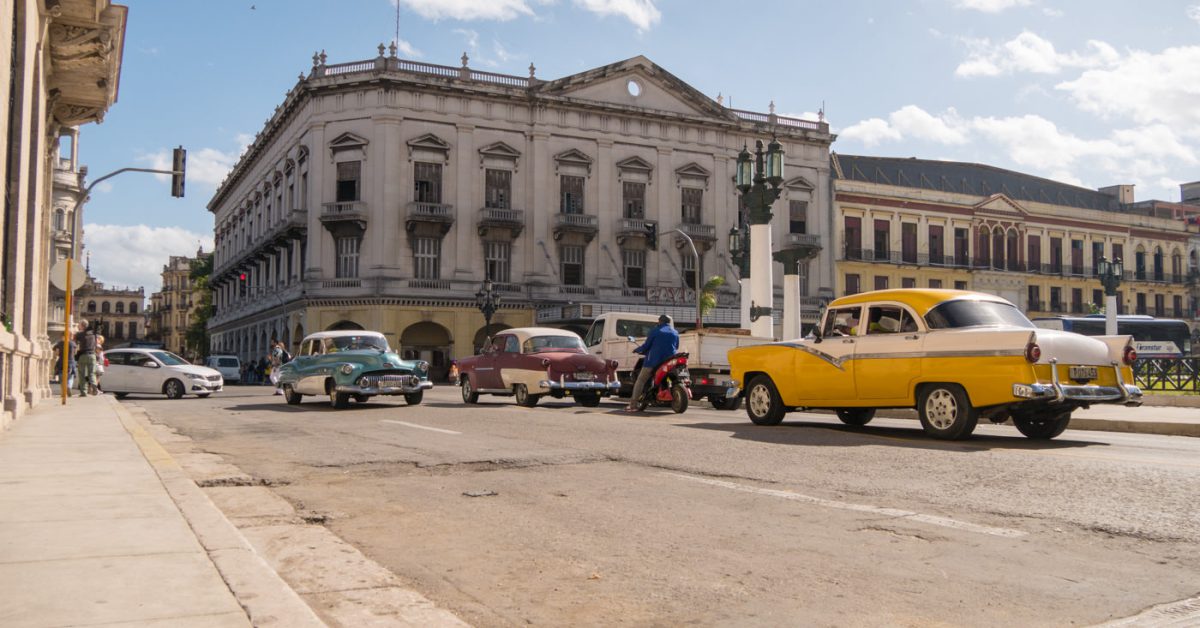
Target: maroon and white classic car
(532, 362)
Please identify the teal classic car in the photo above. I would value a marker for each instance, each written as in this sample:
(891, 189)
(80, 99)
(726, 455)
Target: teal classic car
(345, 365)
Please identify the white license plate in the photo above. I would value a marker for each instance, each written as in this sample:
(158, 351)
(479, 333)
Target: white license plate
(1083, 372)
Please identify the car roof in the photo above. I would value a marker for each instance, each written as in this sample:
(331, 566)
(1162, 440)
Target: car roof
(920, 299)
(341, 333)
(525, 333)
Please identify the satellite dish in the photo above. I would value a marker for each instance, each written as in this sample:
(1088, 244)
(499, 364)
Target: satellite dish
(58, 275)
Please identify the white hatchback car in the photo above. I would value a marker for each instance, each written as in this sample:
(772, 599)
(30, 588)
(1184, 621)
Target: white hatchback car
(157, 372)
(229, 366)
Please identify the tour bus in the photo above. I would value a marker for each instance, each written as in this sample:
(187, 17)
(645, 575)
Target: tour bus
(1152, 337)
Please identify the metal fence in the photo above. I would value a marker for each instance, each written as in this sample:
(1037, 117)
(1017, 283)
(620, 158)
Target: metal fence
(1170, 374)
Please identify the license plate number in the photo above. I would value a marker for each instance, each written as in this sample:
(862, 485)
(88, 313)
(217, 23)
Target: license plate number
(1083, 372)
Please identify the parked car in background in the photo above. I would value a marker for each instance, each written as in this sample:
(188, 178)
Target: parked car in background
(229, 366)
(531, 362)
(954, 355)
(345, 365)
(157, 372)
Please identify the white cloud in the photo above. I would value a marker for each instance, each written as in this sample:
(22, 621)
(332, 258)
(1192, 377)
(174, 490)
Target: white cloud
(406, 49)
(992, 6)
(642, 13)
(909, 122)
(1051, 12)
(134, 256)
(104, 187)
(205, 166)
(1193, 12)
(1145, 87)
(1028, 52)
(1143, 155)
(502, 10)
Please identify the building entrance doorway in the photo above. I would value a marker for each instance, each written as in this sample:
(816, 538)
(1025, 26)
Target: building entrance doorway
(430, 342)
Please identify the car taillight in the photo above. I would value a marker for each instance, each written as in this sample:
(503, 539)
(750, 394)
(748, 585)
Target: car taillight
(545, 362)
(1033, 352)
(1130, 355)
(613, 364)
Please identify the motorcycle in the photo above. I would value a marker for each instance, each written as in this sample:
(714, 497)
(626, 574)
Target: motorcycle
(671, 385)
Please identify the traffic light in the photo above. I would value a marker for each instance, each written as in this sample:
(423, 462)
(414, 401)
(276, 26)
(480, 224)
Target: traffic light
(178, 171)
(242, 284)
(652, 236)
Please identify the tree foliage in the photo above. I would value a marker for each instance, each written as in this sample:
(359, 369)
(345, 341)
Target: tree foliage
(708, 294)
(202, 307)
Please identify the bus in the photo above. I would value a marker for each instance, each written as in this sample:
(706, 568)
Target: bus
(1152, 337)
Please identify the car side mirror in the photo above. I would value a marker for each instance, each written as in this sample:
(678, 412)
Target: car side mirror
(630, 339)
(152, 365)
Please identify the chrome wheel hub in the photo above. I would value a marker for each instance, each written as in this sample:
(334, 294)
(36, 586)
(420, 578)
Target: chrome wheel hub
(941, 409)
(760, 400)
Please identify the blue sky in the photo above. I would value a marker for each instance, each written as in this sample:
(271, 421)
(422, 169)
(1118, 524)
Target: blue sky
(1090, 92)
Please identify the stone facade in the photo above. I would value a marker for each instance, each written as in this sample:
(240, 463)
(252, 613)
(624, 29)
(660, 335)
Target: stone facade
(171, 309)
(62, 63)
(382, 193)
(919, 223)
(119, 313)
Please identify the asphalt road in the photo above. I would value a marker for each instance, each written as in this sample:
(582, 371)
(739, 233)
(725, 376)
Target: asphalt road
(602, 518)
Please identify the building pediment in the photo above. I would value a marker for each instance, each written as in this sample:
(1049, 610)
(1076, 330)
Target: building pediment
(799, 183)
(347, 141)
(693, 173)
(636, 82)
(635, 168)
(574, 159)
(428, 146)
(1000, 205)
(499, 153)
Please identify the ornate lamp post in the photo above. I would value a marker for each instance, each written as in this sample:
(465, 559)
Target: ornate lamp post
(1110, 277)
(739, 250)
(487, 301)
(759, 182)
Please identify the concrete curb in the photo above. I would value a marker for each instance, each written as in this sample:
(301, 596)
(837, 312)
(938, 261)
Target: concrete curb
(1087, 424)
(262, 593)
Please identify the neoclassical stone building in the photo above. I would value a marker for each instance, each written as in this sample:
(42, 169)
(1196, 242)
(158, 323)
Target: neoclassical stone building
(170, 312)
(382, 193)
(63, 63)
(906, 222)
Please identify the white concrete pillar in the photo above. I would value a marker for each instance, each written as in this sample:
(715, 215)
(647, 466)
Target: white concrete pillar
(791, 303)
(745, 304)
(1110, 315)
(761, 278)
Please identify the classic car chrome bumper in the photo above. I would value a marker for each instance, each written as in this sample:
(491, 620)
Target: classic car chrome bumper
(1057, 392)
(386, 385)
(563, 384)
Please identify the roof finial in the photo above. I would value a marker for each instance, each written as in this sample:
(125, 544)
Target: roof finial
(771, 108)
(720, 99)
(821, 112)
(392, 48)
(532, 70)
(381, 49)
(465, 59)
(322, 57)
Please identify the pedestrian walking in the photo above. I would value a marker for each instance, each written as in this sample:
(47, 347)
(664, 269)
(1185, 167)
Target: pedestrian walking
(85, 359)
(100, 365)
(276, 361)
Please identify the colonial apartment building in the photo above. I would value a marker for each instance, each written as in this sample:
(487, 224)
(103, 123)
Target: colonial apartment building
(119, 313)
(921, 223)
(63, 66)
(171, 308)
(382, 193)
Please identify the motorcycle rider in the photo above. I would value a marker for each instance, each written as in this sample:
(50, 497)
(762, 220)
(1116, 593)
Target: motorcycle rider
(661, 343)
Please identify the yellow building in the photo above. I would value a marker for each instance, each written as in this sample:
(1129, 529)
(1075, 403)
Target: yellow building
(920, 223)
(171, 309)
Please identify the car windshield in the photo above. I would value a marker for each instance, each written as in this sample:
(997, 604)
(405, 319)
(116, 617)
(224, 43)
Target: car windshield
(168, 358)
(355, 343)
(966, 313)
(553, 343)
(227, 362)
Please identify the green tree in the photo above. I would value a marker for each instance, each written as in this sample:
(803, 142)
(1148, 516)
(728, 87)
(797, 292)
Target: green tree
(202, 308)
(708, 294)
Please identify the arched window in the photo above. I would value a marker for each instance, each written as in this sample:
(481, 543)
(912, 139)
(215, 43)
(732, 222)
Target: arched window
(133, 307)
(1158, 263)
(983, 247)
(104, 308)
(1014, 250)
(60, 220)
(998, 249)
(91, 306)
(120, 308)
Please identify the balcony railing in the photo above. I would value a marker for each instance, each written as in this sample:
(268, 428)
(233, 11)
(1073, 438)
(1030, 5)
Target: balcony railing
(696, 231)
(439, 214)
(576, 222)
(343, 207)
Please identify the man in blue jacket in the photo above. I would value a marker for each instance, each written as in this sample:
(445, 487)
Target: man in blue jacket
(661, 343)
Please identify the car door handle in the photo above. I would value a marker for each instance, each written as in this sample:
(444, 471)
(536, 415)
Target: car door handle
(848, 341)
(913, 337)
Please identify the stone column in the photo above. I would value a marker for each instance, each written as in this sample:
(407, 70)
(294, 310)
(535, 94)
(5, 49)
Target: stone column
(468, 178)
(319, 180)
(538, 197)
(792, 319)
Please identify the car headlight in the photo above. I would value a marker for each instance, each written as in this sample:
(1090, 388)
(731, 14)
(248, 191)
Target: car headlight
(199, 377)
(346, 369)
(422, 365)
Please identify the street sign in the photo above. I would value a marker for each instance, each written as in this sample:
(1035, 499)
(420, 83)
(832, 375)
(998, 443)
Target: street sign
(58, 275)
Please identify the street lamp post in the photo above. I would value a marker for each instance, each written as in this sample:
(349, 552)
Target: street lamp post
(1110, 277)
(759, 181)
(488, 301)
(739, 250)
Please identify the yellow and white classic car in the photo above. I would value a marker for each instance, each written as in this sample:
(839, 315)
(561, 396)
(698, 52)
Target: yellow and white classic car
(953, 355)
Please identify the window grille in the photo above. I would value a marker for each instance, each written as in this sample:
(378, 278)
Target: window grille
(634, 262)
(497, 189)
(634, 199)
(348, 173)
(571, 189)
(428, 182)
(572, 265)
(691, 201)
(427, 253)
(498, 260)
(347, 257)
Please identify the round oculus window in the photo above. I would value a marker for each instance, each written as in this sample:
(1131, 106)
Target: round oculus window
(634, 87)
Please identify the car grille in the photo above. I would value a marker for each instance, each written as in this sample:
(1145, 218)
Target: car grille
(396, 380)
(214, 378)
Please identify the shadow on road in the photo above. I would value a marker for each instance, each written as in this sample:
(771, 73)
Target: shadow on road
(314, 405)
(827, 435)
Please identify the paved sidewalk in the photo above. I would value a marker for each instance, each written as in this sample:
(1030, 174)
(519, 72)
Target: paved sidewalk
(99, 525)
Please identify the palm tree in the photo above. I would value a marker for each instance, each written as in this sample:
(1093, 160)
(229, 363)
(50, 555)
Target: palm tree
(708, 295)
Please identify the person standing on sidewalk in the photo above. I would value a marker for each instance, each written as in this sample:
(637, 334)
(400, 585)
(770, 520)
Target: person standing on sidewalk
(85, 360)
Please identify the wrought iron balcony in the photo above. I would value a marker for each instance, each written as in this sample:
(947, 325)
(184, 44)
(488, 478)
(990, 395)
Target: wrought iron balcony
(439, 215)
(501, 218)
(585, 224)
